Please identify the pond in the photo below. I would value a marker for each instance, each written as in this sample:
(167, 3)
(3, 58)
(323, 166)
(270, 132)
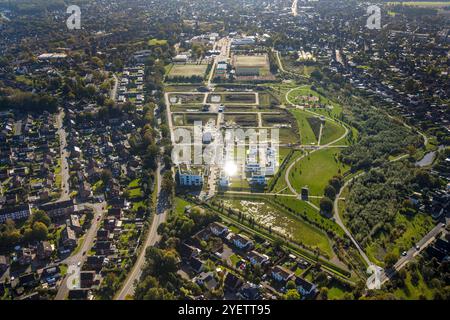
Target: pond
(428, 158)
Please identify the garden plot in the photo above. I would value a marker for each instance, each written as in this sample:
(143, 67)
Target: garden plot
(186, 98)
(243, 120)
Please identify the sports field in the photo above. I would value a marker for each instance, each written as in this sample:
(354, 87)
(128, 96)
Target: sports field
(187, 70)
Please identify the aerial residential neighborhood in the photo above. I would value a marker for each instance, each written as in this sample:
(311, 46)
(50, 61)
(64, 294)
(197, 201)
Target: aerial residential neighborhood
(224, 150)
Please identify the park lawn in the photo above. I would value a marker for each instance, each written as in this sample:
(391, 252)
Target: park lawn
(337, 291)
(331, 131)
(282, 222)
(307, 135)
(307, 91)
(180, 204)
(308, 213)
(413, 292)
(316, 170)
(136, 193)
(134, 183)
(137, 205)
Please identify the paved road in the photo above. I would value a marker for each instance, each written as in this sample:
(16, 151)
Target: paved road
(412, 253)
(64, 154)
(113, 94)
(338, 220)
(152, 238)
(88, 243)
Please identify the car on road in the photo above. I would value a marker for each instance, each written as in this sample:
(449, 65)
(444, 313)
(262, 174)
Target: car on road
(84, 253)
(417, 247)
(79, 263)
(404, 253)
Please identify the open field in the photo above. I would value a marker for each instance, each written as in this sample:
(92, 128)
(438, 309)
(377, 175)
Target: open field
(244, 120)
(186, 98)
(299, 68)
(288, 135)
(282, 222)
(331, 131)
(232, 98)
(188, 119)
(250, 60)
(185, 108)
(239, 108)
(307, 135)
(316, 170)
(187, 70)
(280, 183)
(308, 213)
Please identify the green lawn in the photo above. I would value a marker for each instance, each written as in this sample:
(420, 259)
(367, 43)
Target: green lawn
(331, 131)
(280, 182)
(316, 170)
(413, 292)
(308, 213)
(307, 135)
(180, 204)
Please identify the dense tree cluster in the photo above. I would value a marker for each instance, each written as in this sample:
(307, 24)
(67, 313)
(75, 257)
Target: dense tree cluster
(26, 101)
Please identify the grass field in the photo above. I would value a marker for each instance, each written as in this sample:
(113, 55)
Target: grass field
(281, 183)
(188, 119)
(288, 135)
(308, 213)
(316, 170)
(331, 131)
(413, 292)
(307, 135)
(282, 223)
(187, 70)
(244, 120)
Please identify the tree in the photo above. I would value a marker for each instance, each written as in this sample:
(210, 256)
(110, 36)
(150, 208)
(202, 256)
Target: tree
(292, 294)
(40, 231)
(323, 294)
(106, 176)
(168, 184)
(41, 216)
(290, 285)
(390, 259)
(330, 192)
(326, 205)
